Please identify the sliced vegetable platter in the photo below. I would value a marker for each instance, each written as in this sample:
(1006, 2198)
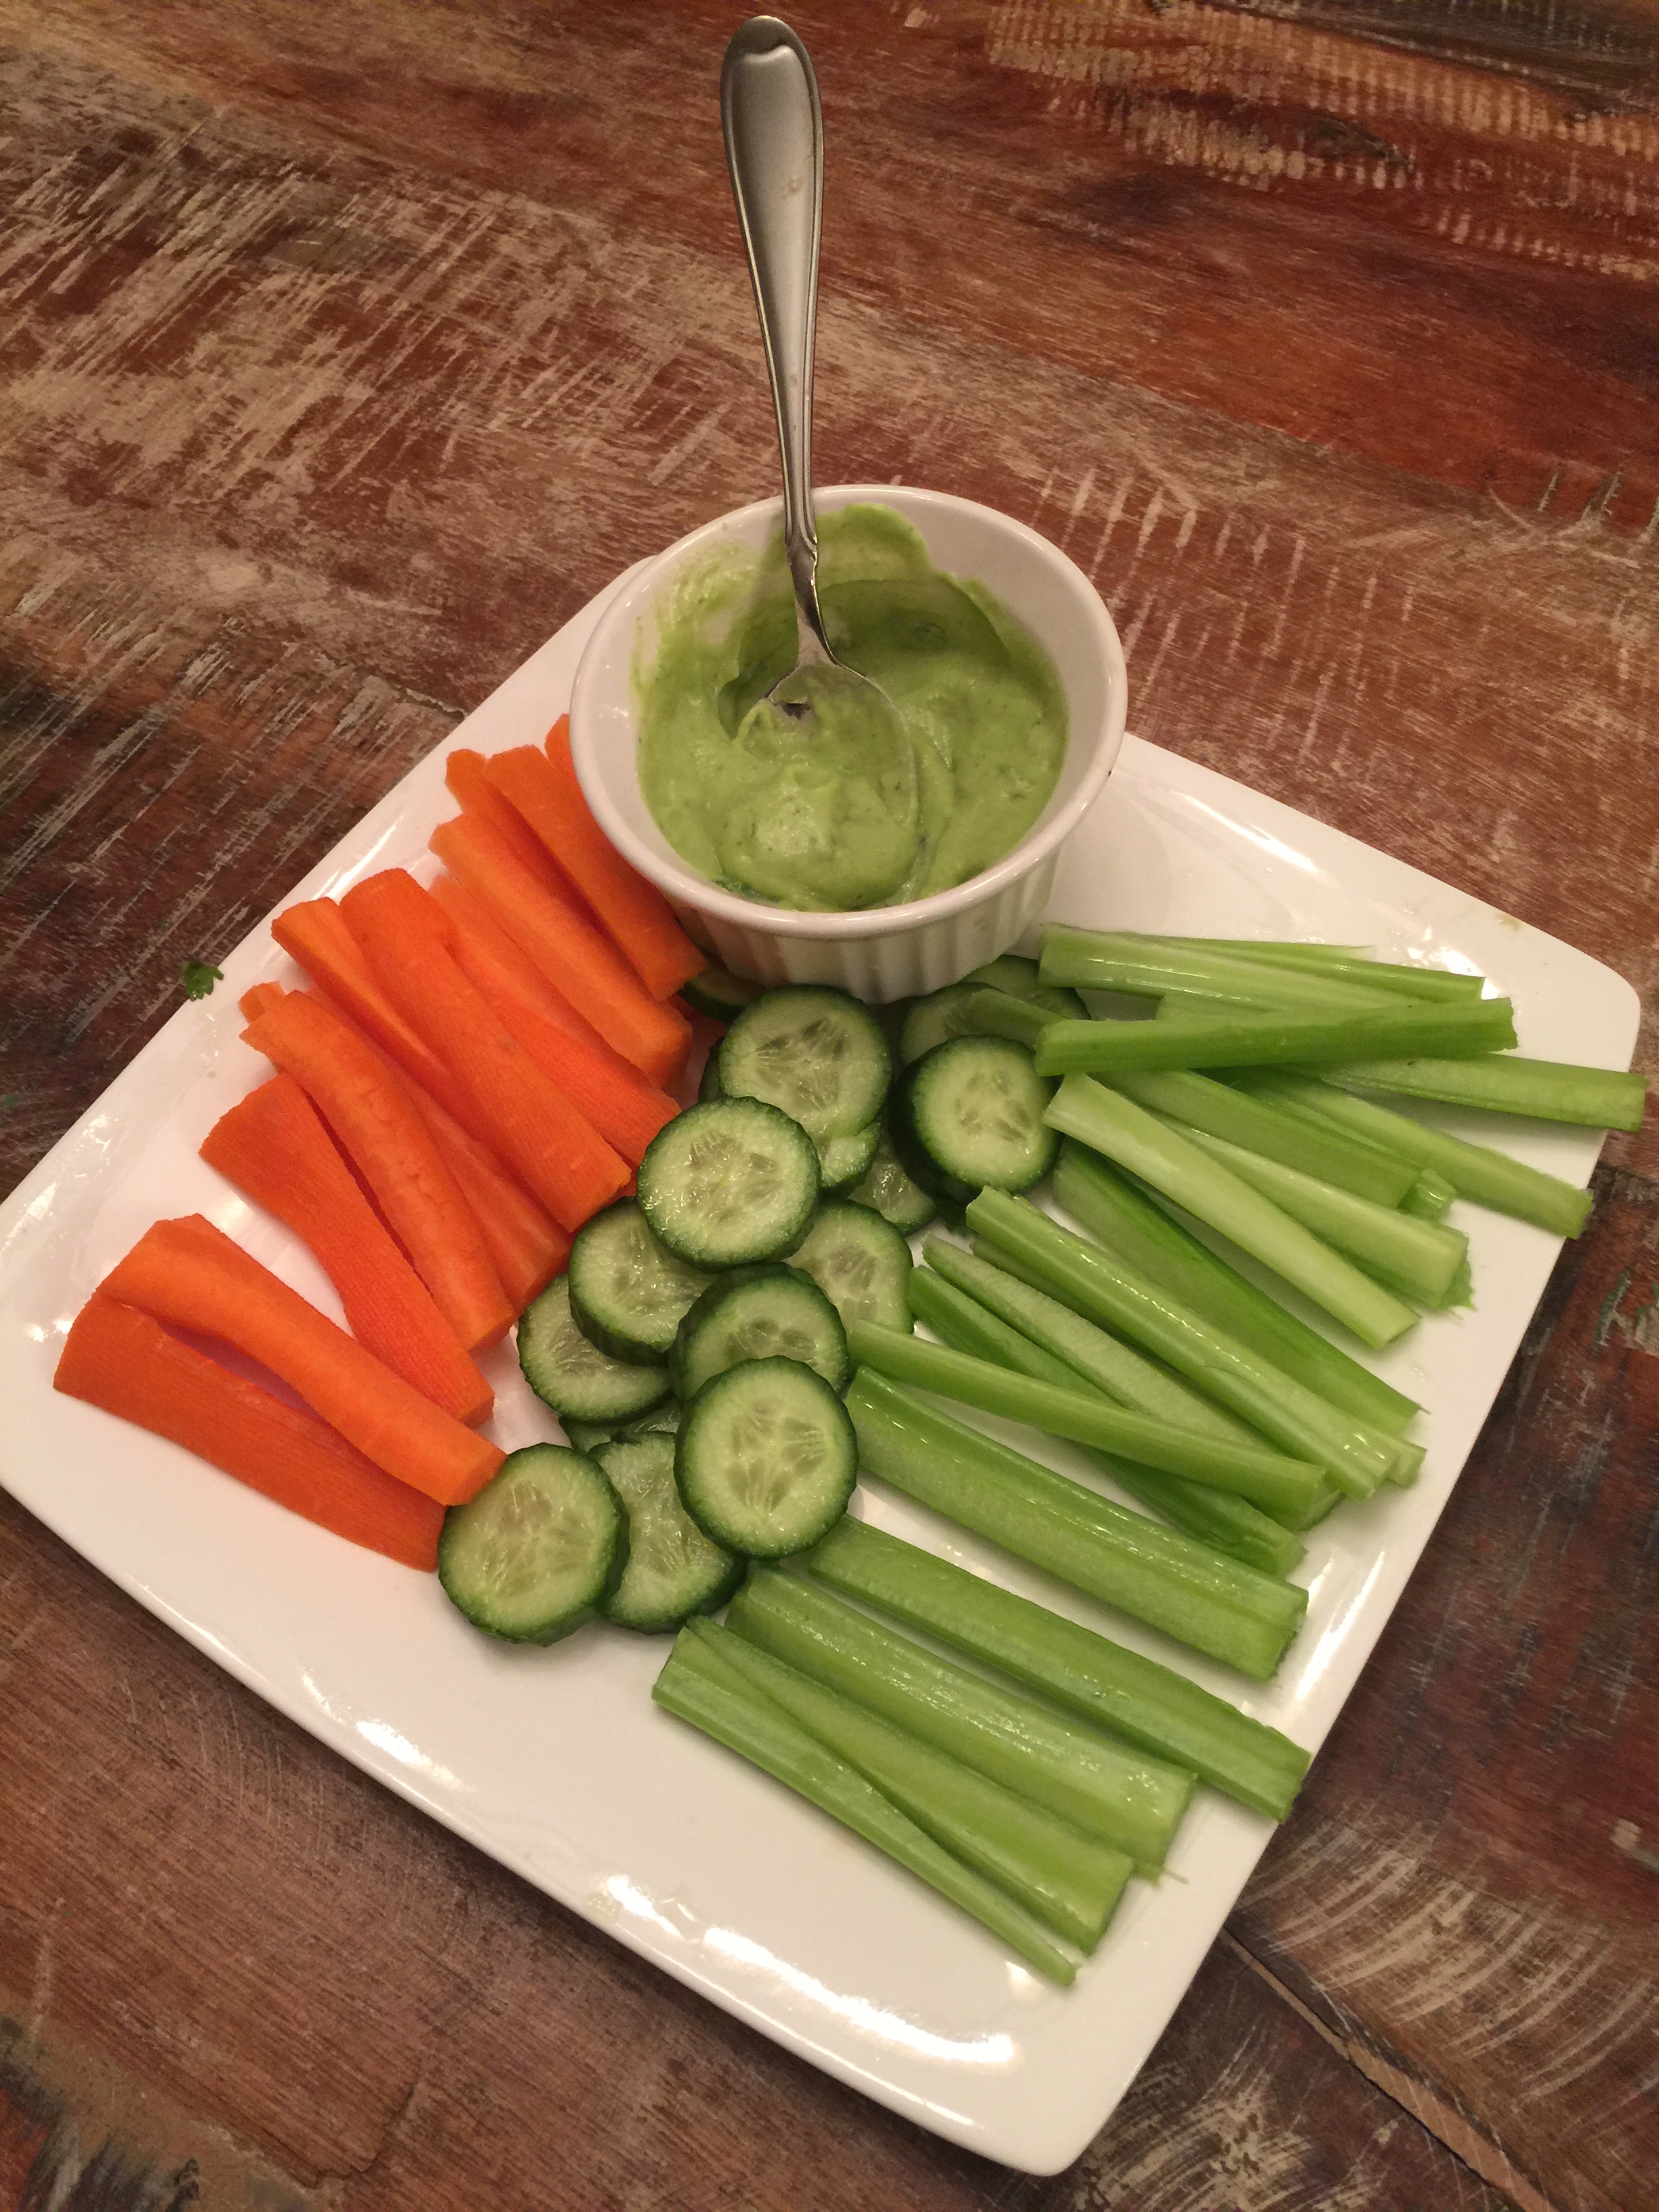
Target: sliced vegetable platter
(556, 1761)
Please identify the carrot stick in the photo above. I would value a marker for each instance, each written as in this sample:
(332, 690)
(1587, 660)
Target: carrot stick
(191, 1274)
(273, 1147)
(388, 1144)
(567, 949)
(625, 1109)
(543, 786)
(314, 933)
(254, 1000)
(467, 775)
(469, 917)
(553, 1149)
(126, 1362)
(526, 1246)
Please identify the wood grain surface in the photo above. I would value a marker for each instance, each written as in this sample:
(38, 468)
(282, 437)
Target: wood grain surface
(346, 352)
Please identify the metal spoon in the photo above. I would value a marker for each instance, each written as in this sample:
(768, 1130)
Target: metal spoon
(773, 130)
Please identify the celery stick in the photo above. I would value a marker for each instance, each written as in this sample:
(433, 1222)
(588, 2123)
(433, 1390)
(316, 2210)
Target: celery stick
(1070, 1880)
(1105, 1787)
(1268, 1478)
(1136, 1698)
(998, 1013)
(1232, 1525)
(1101, 1286)
(1158, 1575)
(1148, 967)
(1502, 1083)
(1197, 1102)
(1108, 1122)
(698, 1686)
(1429, 1196)
(1348, 964)
(1421, 1259)
(1258, 1040)
(1141, 1232)
(1477, 1172)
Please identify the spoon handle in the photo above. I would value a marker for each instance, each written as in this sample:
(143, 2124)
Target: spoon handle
(774, 131)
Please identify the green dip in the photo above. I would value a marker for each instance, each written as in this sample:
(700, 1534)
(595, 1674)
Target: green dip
(847, 815)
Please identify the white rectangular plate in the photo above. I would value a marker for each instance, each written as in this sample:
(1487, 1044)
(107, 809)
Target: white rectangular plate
(556, 1761)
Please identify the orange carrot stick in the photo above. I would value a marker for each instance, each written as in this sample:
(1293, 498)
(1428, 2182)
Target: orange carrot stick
(126, 1362)
(387, 1143)
(546, 1141)
(273, 1147)
(569, 950)
(254, 1000)
(466, 774)
(526, 1246)
(542, 786)
(625, 1109)
(469, 917)
(191, 1274)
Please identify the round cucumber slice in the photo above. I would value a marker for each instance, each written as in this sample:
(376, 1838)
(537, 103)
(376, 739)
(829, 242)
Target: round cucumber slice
(767, 1459)
(817, 1053)
(968, 1116)
(930, 1021)
(768, 1312)
(539, 1550)
(731, 1182)
(572, 1375)
(860, 1263)
(719, 993)
(673, 1570)
(627, 1291)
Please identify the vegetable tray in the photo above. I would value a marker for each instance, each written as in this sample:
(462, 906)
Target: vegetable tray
(556, 1761)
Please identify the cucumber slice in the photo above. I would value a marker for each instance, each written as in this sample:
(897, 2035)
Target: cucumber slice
(719, 993)
(889, 1191)
(844, 1161)
(585, 1436)
(708, 1083)
(572, 1375)
(627, 1291)
(673, 1571)
(768, 1312)
(817, 1053)
(540, 1548)
(767, 1459)
(931, 1020)
(728, 1182)
(1023, 979)
(860, 1263)
(968, 1116)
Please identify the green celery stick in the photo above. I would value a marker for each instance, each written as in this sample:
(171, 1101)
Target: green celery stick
(1278, 1038)
(1106, 1363)
(1422, 1260)
(1429, 1196)
(698, 1686)
(1478, 1173)
(998, 1013)
(1141, 1232)
(1103, 1785)
(1137, 1699)
(1199, 1102)
(1110, 1123)
(1186, 1588)
(1100, 1285)
(1268, 1478)
(1070, 1880)
(1021, 978)
(1232, 1525)
(1347, 963)
(1504, 1083)
(1148, 967)
(1191, 1006)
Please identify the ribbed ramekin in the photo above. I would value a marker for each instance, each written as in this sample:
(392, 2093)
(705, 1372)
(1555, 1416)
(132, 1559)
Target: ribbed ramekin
(879, 952)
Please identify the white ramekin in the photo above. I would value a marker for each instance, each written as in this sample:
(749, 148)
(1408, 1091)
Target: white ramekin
(879, 952)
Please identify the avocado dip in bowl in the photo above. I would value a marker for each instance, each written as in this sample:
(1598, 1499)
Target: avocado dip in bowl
(886, 869)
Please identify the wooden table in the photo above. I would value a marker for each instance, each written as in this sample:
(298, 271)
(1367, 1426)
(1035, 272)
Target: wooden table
(348, 350)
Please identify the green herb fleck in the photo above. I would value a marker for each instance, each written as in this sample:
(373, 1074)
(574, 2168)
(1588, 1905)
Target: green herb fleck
(11, 1102)
(199, 978)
